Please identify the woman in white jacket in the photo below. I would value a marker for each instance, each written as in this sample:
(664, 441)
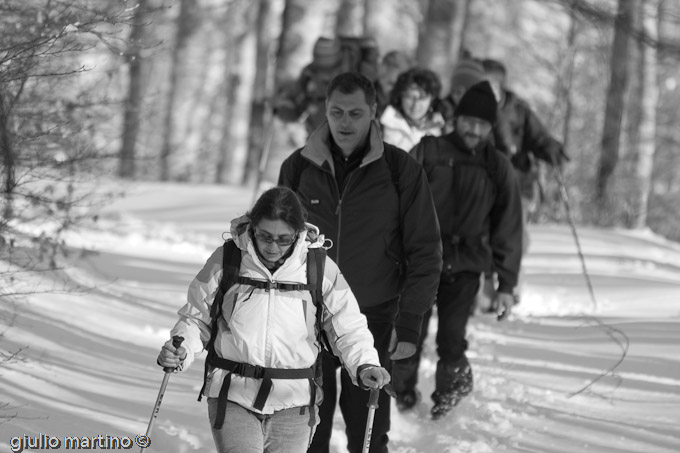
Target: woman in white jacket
(262, 330)
(414, 109)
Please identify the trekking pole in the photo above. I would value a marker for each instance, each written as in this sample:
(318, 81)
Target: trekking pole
(372, 406)
(176, 343)
(570, 220)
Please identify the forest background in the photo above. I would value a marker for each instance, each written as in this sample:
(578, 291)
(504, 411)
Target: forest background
(181, 90)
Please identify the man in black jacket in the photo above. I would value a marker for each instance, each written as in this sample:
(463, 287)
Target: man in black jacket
(372, 200)
(477, 197)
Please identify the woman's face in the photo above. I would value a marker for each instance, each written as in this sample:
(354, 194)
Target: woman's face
(273, 238)
(415, 102)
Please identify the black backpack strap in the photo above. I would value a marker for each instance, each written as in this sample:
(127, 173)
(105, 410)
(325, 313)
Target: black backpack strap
(299, 164)
(395, 171)
(231, 263)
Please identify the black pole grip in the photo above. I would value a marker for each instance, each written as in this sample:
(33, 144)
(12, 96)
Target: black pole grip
(176, 343)
(373, 398)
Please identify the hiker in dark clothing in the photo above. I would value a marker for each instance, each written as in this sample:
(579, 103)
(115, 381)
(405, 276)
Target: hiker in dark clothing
(477, 197)
(373, 201)
(521, 136)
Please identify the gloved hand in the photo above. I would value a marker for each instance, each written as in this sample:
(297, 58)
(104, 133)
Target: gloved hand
(402, 349)
(502, 305)
(171, 357)
(374, 377)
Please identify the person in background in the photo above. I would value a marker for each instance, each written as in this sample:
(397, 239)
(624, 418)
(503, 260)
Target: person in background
(392, 64)
(522, 137)
(413, 111)
(373, 201)
(477, 197)
(467, 72)
(269, 330)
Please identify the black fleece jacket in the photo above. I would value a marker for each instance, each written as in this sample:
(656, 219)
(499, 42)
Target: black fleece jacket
(386, 244)
(478, 202)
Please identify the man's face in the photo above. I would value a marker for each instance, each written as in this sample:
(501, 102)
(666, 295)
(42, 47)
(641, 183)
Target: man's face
(474, 131)
(349, 118)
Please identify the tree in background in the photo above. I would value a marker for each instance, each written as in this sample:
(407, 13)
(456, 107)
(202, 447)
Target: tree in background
(49, 113)
(441, 37)
(261, 117)
(132, 106)
(187, 23)
(616, 103)
(644, 143)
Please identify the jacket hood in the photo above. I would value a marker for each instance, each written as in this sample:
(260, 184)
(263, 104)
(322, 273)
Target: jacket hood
(311, 237)
(318, 147)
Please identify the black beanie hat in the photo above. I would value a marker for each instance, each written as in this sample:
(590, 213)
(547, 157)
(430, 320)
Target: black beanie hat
(479, 102)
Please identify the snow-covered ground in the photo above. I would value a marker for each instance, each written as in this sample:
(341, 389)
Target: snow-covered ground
(86, 361)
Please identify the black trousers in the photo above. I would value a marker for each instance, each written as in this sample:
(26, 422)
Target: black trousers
(354, 401)
(455, 297)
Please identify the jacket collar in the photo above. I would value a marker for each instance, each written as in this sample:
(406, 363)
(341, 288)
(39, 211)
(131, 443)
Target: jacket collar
(318, 146)
(394, 119)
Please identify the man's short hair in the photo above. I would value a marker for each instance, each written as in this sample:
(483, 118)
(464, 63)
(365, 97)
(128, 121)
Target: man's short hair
(349, 82)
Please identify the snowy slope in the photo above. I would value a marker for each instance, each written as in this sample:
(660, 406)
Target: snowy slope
(87, 360)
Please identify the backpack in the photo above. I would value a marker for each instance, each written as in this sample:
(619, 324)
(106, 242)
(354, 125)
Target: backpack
(430, 145)
(231, 264)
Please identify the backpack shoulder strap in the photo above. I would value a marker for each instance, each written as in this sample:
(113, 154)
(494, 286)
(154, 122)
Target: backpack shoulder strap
(393, 163)
(316, 263)
(299, 164)
(231, 263)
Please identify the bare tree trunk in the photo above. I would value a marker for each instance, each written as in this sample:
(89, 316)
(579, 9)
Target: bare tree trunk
(242, 41)
(569, 77)
(260, 114)
(441, 36)
(616, 101)
(375, 12)
(186, 22)
(8, 160)
(133, 103)
(302, 25)
(649, 99)
(350, 18)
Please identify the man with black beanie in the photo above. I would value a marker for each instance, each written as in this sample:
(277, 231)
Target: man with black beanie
(477, 198)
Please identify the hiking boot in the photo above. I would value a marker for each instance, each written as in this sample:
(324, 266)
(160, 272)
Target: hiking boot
(456, 379)
(444, 402)
(406, 400)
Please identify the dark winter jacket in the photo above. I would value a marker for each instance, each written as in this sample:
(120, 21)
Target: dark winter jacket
(519, 132)
(478, 204)
(384, 242)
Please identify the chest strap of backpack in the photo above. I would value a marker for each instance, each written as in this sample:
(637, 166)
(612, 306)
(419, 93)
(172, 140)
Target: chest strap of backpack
(316, 259)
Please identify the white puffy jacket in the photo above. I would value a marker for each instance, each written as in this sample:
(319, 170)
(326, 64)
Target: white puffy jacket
(398, 132)
(273, 328)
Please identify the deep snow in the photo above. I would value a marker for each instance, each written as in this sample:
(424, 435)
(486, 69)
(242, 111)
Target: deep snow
(86, 362)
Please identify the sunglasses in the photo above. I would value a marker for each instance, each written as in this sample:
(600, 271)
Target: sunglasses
(281, 240)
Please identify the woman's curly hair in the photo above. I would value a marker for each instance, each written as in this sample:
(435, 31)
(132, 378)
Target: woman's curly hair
(425, 79)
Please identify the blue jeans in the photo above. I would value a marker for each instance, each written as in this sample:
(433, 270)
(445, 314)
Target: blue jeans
(284, 431)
